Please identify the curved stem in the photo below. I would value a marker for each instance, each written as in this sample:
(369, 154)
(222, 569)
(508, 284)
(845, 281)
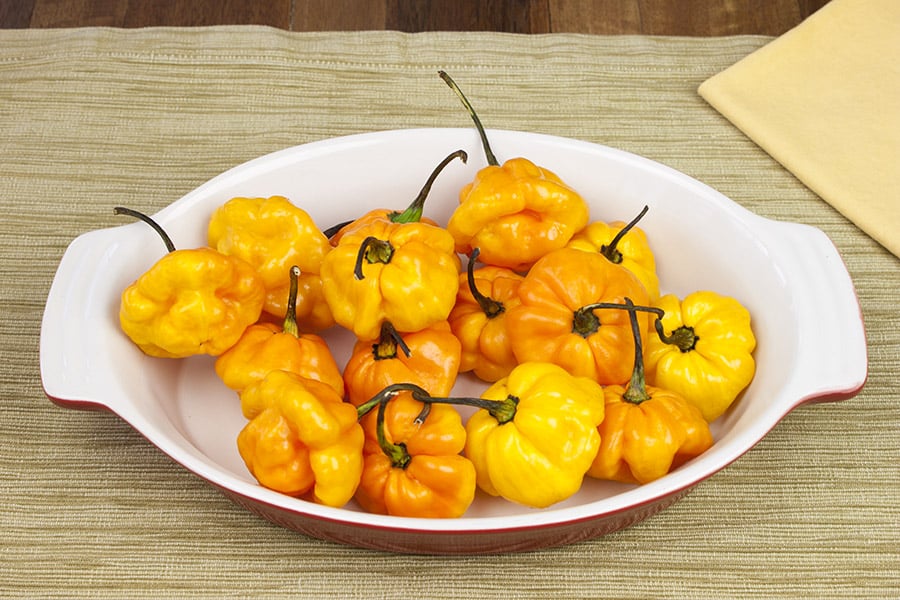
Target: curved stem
(388, 341)
(397, 453)
(413, 212)
(290, 313)
(332, 231)
(121, 210)
(488, 153)
(373, 250)
(636, 391)
(585, 322)
(491, 307)
(609, 250)
(682, 338)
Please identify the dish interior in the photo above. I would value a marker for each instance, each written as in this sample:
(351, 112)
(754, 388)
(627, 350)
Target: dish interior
(700, 239)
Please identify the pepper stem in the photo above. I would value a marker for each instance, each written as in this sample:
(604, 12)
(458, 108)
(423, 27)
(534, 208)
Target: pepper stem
(388, 341)
(491, 307)
(585, 323)
(637, 387)
(413, 213)
(397, 453)
(290, 313)
(373, 250)
(682, 338)
(610, 251)
(488, 153)
(121, 210)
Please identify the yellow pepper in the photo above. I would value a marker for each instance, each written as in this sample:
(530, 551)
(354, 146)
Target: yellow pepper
(646, 431)
(266, 347)
(413, 466)
(407, 274)
(514, 213)
(708, 355)
(272, 234)
(536, 436)
(302, 439)
(478, 319)
(623, 244)
(196, 301)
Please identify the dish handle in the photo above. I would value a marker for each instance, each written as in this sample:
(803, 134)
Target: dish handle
(832, 358)
(76, 348)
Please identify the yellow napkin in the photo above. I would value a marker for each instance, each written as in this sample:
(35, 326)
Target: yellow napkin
(824, 101)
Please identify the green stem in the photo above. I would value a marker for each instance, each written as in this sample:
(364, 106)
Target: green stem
(397, 453)
(373, 250)
(491, 307)
(413, 213)
(609, 250)
(388, 341)
(682, 338)
(488, 153)
(636, 392)
(585, 323)
(290, 313)
(121, 210)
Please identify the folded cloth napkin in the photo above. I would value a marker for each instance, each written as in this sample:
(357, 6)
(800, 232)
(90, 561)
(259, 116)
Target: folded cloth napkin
(824, 101)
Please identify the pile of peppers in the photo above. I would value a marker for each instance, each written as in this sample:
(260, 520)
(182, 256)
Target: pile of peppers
(589, 371)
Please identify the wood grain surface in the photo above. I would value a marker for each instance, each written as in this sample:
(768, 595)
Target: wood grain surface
(647, 17)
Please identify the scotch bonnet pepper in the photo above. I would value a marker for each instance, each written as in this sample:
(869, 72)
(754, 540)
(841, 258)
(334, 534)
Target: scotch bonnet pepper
(195, 301)
(272, 234)
(560, 318)
(707, 354)
(478, 319)
(266, 347)
(302, 439)
(405, 273)
(515, 212)
(536, 435)
(646, 431)
(413, 466)
(623, 244)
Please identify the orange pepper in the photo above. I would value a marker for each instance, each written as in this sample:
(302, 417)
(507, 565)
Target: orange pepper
(412, 464)
(558, 319)
(646, 431)
(514, 213)
(623, 244)
(302, 439)
(266, 347)
(428, 358)
(478, 319)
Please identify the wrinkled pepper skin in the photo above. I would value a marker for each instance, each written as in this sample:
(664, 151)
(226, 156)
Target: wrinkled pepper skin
(541, 455)
(515, 214)
(190, 302)
(413, 285)
(302, 439)
(486, 347)
(433, 363)
(266, 347)
(435, 481)
(632, 251)
(545, 327)
(272, 234)
(642, 442)
(712, 359)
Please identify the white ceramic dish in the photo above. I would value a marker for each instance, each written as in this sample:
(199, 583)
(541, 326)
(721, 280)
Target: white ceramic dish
(790, 276)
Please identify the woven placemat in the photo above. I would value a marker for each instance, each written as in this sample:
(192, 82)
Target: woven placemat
(92, 118)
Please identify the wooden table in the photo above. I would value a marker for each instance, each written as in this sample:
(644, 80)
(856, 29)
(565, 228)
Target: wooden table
(648, 17)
